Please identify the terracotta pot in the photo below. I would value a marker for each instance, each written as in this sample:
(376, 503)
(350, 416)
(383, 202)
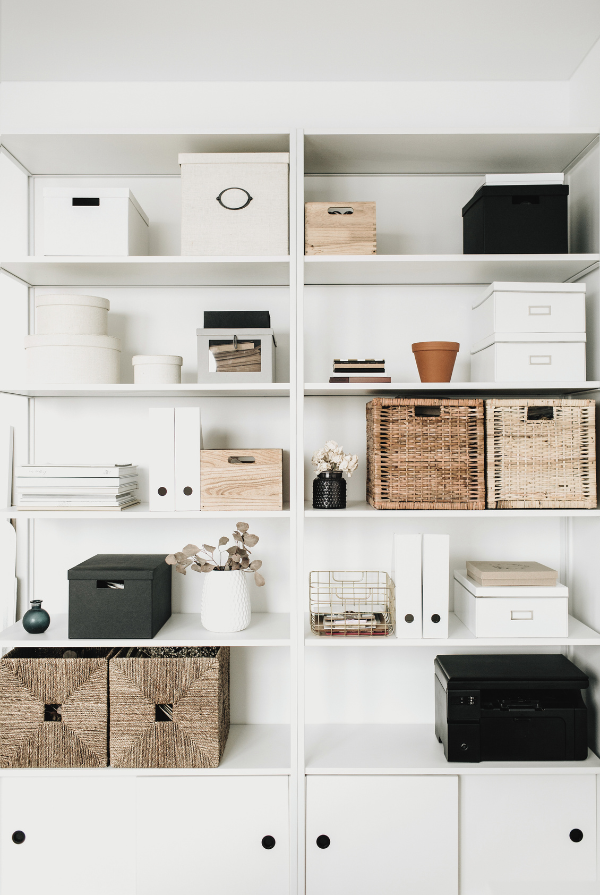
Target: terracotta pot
(435, 360)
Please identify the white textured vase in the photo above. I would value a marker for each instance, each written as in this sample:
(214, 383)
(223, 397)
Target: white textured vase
(225, 606)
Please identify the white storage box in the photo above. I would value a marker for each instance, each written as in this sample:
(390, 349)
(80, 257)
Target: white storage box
(72, 360)
(89, 221)
(74, 314)
(511, 611)
(234, 203)
(157, 369)
(242, 355)
(529, 308)
(529, 357)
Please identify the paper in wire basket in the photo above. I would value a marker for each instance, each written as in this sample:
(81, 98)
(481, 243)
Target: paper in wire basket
(352, 604)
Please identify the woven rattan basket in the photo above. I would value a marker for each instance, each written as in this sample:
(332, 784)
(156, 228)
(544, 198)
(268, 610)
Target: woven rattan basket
(541, 453)
(54, 711)
(425, 453)
(169, 712)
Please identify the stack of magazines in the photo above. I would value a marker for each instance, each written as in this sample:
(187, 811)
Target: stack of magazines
(354, 369)
(91, 487)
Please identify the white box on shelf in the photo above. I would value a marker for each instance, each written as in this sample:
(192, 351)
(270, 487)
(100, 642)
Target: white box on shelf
(73, 360)
(529, 357)
(187, 458)
(406, 573)
(529, 308)
(436, 585)
(217, 349)
(161, 472)
(157, 369)
(511, 611)
(74, 314)
(234, 203)
(87, 221)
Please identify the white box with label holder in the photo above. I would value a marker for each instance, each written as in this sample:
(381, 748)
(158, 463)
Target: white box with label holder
(529, 308)
(529, 357)
(511, 611)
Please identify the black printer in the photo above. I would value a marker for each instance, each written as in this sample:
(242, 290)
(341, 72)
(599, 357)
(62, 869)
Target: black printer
(510, 708)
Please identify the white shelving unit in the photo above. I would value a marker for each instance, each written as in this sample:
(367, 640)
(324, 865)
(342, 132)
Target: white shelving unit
(302, 706)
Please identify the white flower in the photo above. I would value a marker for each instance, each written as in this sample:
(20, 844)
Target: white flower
(332, 446)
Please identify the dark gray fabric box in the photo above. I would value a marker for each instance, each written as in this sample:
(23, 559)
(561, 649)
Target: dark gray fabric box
(137, 610)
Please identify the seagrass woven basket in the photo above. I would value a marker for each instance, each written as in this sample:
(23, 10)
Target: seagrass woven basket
(541, 453)
(54, 710)
(425, 453)
(169, 711)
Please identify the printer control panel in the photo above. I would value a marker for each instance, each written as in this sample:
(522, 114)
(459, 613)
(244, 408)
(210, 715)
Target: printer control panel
(464, 705)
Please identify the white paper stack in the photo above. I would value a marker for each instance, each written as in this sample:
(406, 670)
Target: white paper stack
(93, 487)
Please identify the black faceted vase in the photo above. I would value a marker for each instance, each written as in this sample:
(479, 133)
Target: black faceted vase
(329, 491)
(36, 619)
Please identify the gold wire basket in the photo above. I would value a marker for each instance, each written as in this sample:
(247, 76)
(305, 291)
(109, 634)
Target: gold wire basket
(352, 604)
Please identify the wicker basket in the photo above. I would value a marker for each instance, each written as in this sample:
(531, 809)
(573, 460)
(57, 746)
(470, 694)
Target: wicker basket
(541, 453)
(169, 712)
(54, 711)
(425, 453)
(352, 604)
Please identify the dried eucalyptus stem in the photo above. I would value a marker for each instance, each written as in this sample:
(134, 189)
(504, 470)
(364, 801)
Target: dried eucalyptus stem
(204, 559)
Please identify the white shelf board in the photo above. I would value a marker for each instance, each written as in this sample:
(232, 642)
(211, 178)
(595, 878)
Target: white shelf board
(129, 390)
(182, 629)
(140, 511)
(150, 270)
(369, 270)
(409, 749)
(452, 389)
(358, 509)
(261, 749)
(444, 153)
(458, 635)
(123, 154)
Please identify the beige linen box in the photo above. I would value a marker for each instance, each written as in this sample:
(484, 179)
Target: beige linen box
(234, 203)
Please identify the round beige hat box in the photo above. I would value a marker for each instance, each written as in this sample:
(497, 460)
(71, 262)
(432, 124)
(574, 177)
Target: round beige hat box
(74, 314)
(157, 369)
(65, 359)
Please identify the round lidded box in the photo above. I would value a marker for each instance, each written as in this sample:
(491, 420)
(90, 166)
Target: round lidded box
(157, 369)
(66, 359)
(74, 314)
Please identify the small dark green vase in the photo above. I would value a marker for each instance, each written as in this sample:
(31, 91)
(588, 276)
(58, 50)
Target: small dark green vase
(36, 620)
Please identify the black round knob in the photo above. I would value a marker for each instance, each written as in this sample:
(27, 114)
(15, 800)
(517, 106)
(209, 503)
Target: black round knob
(18, 837)
(162, 491)
(323, 841)
(268, 842)
(409, 618)
(575, 835)
(187, 490)
(435, 619)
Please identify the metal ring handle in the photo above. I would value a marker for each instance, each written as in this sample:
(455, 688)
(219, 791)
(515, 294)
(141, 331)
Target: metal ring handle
(239, 207)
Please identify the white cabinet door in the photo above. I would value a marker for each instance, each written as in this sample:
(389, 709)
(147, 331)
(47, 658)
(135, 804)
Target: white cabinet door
(522, 828)
(384, 835)
(211, 835)
(79, 836)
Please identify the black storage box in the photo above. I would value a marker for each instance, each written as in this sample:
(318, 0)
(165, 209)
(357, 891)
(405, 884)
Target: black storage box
(516, 219)
(237, 320)
(122, 595)
(510, 708)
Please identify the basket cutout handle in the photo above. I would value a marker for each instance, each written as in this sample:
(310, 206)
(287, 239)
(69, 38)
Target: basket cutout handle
(338, 209)
(238, 460)
(347, 576)
(427, 410)
(540, 413)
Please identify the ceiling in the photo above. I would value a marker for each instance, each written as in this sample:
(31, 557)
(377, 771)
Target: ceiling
(312, 40)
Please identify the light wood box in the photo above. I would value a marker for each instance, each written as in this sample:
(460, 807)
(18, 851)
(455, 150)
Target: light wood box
(326, 233)
(229, 483)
